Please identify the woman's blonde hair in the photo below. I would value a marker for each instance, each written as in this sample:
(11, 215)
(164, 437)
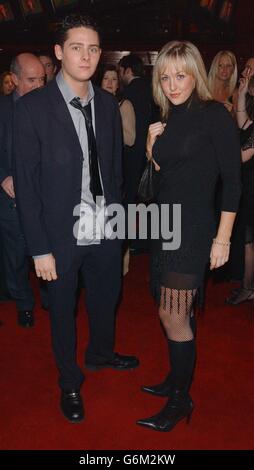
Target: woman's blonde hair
(191, 63)
(214, 70)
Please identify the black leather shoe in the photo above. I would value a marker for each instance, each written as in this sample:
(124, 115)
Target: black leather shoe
(163, 389)
(174, 411)
(25, 318)
(237, 296)
(72, 406)
(119, 362)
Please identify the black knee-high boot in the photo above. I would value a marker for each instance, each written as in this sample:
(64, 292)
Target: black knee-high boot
(182, 358)
(164, 389)
(180, 404)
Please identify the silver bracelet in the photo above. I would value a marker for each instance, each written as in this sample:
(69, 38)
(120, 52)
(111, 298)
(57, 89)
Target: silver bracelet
(240, 110)
(218, 242)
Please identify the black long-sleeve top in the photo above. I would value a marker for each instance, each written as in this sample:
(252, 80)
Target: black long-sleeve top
(199, 145)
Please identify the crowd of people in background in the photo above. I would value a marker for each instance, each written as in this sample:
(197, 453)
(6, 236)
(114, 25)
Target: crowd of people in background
(185, 108)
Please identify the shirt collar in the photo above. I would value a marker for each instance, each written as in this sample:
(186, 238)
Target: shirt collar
(15, 95)
(69, 94)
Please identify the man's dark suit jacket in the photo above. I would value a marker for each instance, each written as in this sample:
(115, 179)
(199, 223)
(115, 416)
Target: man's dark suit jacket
(6, 119)
(139, 92)
(48, 166)
(6, 130)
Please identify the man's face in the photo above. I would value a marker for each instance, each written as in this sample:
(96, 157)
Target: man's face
(49, 66)
(123, 75)
(80, 54)
(31, 76)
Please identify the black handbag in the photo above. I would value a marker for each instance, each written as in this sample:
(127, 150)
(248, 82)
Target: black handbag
(145, 189)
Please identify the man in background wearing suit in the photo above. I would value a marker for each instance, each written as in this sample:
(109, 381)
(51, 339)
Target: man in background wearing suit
(28, 74)
(49, 65)
(61, 167)
(137, 90)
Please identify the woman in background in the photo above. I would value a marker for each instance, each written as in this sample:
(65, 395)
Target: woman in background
(222, 78)
(6, 84)
(244, 230)
(110, 83)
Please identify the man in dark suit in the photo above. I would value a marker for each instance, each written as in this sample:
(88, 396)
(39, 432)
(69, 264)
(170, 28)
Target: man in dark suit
(61, 172)
(137, 90)
(49, 64)
(28, 74)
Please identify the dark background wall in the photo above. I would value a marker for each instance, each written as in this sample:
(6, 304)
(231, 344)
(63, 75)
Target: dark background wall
(133, 25)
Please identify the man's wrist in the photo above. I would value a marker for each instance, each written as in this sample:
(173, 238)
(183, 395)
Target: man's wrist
(41, 256)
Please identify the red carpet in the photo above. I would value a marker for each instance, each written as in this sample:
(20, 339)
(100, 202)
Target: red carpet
(223, 387)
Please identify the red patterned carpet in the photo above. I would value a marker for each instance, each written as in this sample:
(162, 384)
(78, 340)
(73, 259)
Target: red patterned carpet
(223, 388)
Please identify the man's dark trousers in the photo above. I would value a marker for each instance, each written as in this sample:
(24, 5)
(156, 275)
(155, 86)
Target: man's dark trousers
(15, 258)
(101, 268)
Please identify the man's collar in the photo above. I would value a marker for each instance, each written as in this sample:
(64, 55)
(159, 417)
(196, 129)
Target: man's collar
(69, 94)
(15, 95)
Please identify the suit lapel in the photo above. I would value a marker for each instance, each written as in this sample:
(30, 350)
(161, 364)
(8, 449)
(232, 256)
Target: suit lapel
(60, 111)
(99, 120)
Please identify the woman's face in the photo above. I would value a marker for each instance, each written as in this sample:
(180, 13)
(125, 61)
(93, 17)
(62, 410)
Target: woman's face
(176, 84)
(225, 68)
(110, 81)
(8, 85)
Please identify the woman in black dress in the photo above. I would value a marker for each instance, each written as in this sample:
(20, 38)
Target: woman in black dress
(243, 235)
(196, 143)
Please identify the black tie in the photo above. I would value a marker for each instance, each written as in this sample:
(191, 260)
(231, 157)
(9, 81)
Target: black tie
(95, 181)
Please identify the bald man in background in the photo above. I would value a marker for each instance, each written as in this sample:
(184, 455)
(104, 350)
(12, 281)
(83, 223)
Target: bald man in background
(28, 74)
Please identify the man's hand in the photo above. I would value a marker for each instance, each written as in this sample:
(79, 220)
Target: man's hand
(7, 185)
(45, 267)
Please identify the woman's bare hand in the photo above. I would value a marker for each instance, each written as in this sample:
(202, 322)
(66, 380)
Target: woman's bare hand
(154, 131)
(243, 86)
(218, 256)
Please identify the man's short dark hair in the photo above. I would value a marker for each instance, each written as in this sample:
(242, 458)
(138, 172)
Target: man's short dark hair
(134, 62)
(47, 54)
(74, 21)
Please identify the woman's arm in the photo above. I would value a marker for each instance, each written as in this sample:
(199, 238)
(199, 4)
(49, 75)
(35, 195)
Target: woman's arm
(226, 143)
(221, 244)
(241, 113)
(128, 122)
(154, 131)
